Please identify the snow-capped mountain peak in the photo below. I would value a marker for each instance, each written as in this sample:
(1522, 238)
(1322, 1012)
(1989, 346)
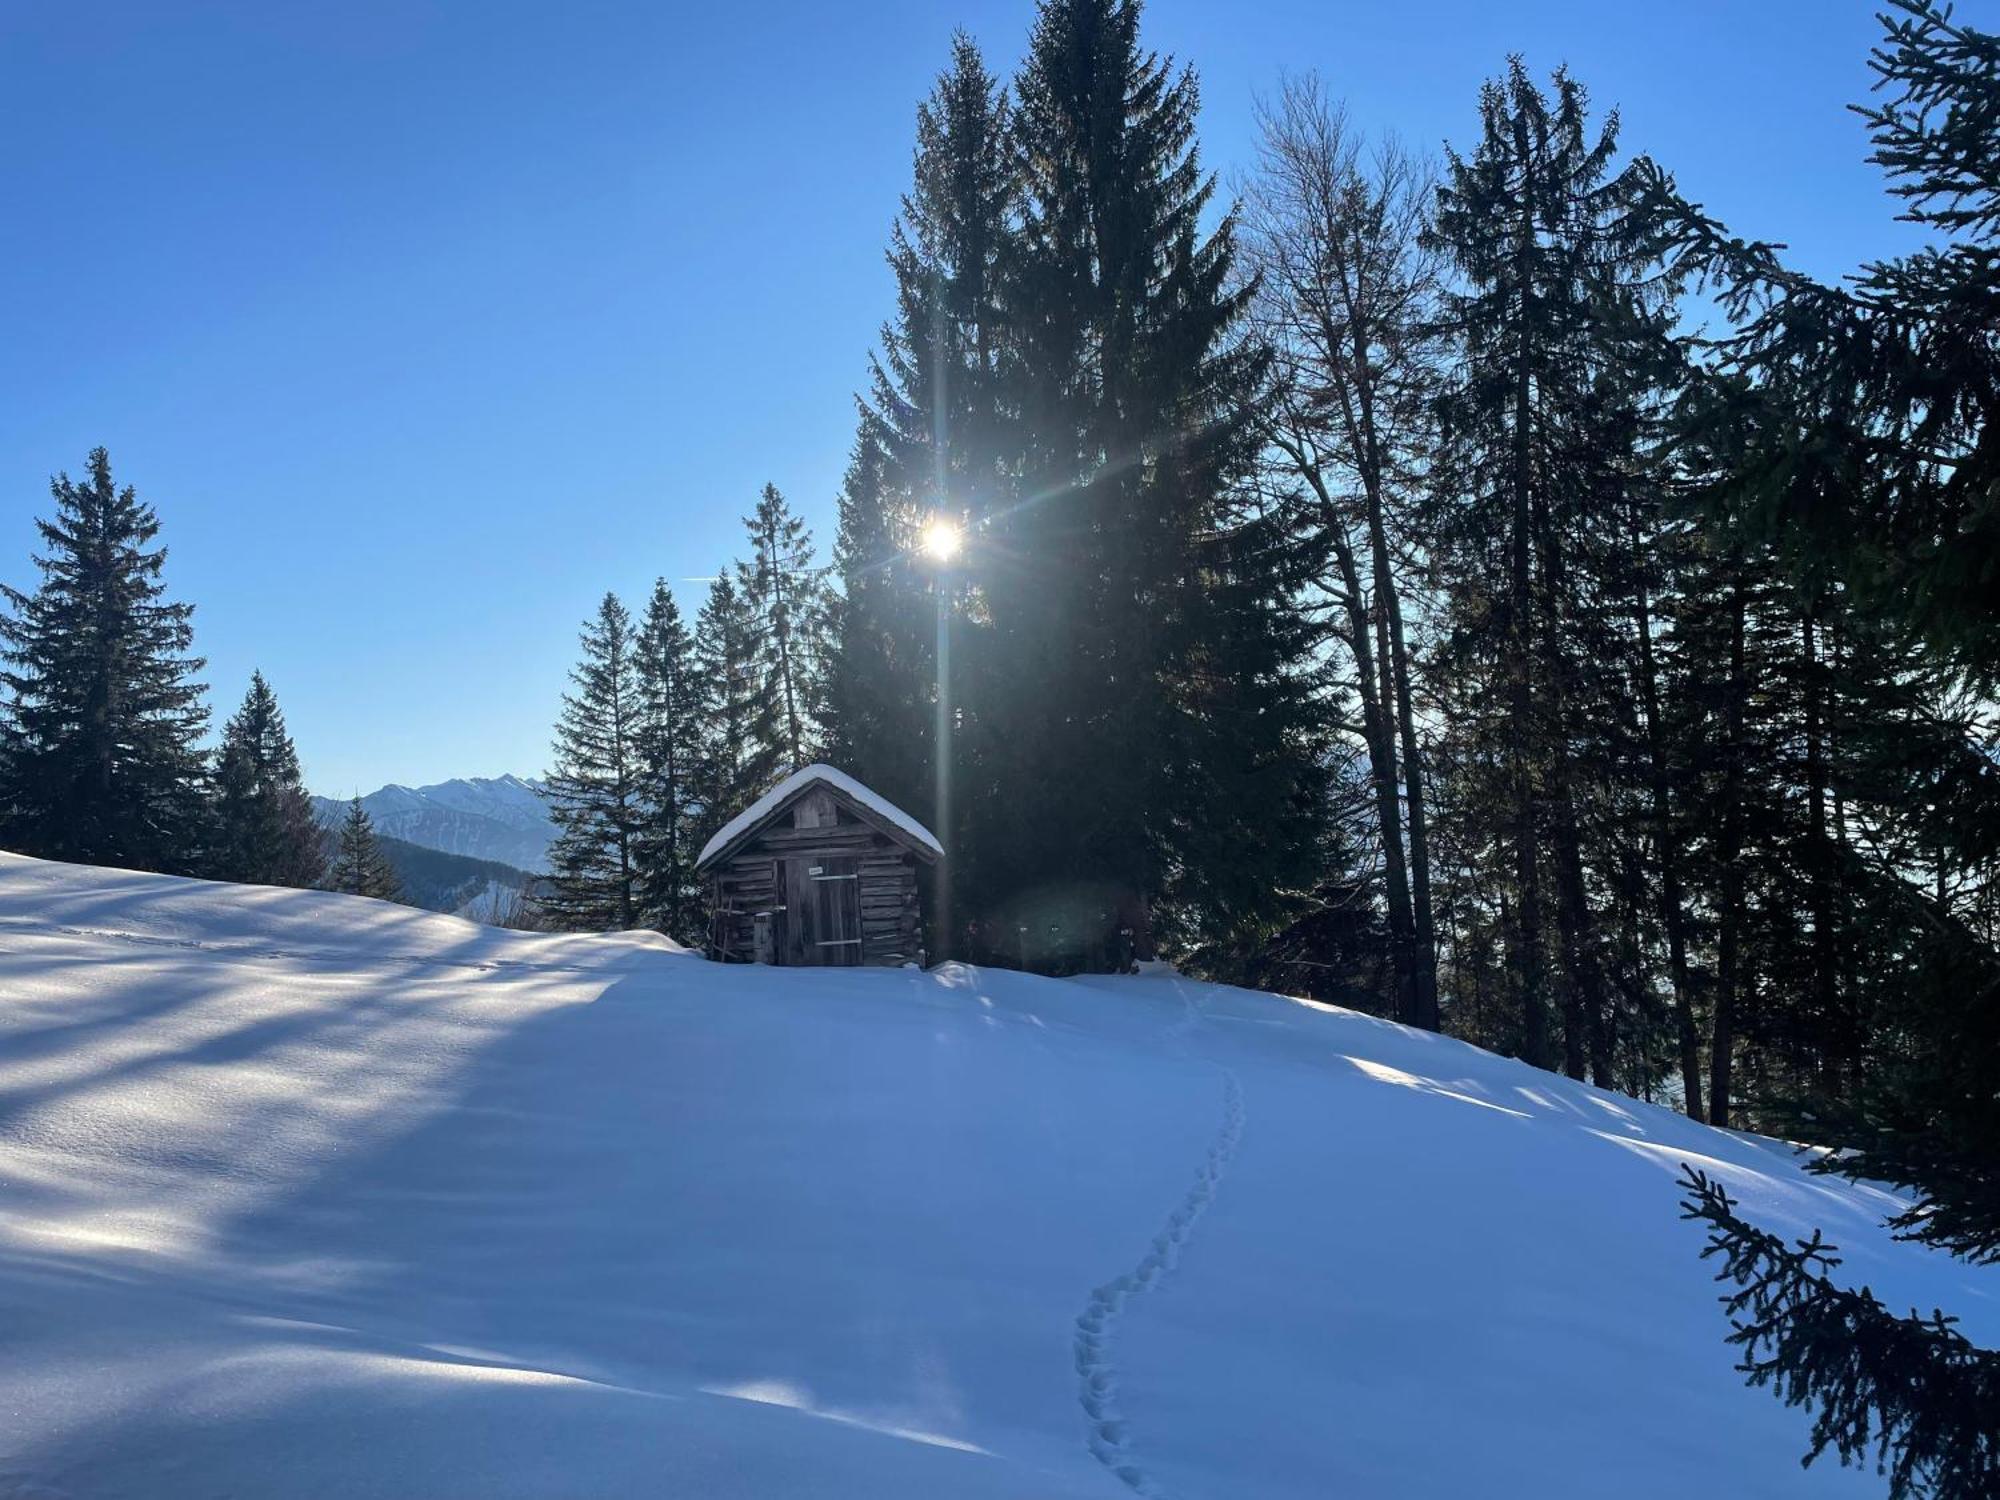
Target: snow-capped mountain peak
(498, 818)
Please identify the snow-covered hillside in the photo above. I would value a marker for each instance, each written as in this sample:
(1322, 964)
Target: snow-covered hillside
(308, 1196)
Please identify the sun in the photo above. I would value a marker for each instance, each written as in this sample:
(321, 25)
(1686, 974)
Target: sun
(942, 538)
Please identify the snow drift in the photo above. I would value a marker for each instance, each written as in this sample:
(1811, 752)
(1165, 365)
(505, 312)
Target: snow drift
(310, 1196)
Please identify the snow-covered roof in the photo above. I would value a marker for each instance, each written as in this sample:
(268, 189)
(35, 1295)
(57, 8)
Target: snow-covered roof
(830, 776)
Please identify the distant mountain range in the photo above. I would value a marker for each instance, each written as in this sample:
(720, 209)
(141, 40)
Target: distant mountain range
(500, 819)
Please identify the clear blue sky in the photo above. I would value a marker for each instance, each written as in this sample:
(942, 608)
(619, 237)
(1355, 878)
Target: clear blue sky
(424, 323)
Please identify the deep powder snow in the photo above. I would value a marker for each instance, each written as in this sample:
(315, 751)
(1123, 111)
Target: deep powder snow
(309, 1196)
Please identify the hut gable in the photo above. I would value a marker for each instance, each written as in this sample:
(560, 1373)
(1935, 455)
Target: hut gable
(818, 871)
(860, 798)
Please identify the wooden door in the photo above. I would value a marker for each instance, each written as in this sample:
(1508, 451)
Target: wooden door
(829, 905)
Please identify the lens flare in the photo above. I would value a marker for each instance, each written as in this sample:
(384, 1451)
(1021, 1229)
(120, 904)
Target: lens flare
(942, 538)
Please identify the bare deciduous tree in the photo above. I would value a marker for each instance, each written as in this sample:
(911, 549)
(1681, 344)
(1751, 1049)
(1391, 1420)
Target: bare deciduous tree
(1333, 232)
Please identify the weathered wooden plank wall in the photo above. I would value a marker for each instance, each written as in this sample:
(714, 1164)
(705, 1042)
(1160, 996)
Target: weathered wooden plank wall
(772, 873)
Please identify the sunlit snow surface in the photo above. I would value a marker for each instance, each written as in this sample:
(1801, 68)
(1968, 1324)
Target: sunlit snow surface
(307, 1196)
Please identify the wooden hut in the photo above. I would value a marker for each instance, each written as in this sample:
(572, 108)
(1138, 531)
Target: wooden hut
(818, 870)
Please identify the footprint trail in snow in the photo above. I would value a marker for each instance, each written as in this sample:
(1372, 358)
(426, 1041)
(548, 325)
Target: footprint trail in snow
(1097, 1325)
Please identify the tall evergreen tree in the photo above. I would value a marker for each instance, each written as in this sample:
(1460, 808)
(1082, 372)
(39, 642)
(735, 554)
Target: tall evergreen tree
(100, 761)
(737, 757)
(932, 444)
(1133, 650)
(360, 868)
(1561, 324)
(264, 831)
(595, 789)
(1890, 484)
(1859, 425)
(935, 390)
(668, 752)
(784, 594)
(880, 658)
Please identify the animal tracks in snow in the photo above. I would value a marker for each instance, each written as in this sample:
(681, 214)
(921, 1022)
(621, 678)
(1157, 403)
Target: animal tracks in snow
(1097, 1325)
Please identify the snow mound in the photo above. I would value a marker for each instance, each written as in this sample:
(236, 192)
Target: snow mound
(311, 1196)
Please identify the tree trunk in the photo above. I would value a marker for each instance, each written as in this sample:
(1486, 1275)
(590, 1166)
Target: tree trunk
(1635, 983)
(1863, 1022)
(1823, 903)
(1729, 851)
(1382, 775)
(1582, 987)
(1666, 841)
(1428, 1014)
(1526, 931)
(1378, 733)
(1582, 980)
(1397, 700)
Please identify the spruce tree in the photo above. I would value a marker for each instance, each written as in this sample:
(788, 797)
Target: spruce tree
(1137, 659)
(1856, 422)
(596, 788)
(100, 762)
(263, 830)
(785, 598)
(933, 443)
(935, 395)
(738, 736)
(1561, 320)
(669, 748)
(1875, 397)
(880, 657)
(1908, 1392)
(360, 868)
